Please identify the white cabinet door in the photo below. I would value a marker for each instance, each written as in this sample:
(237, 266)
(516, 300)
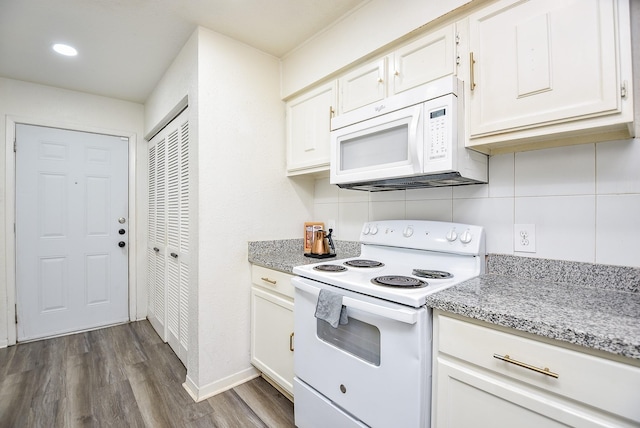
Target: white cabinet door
(534, 64)
(467, 397)
(308, 125)
(272, 336)
(272, 341)
(423, 60)
(169, 246)
(364, 85)
(503, 379)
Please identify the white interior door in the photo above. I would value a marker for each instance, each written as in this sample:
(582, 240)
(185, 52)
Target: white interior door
(71, 231)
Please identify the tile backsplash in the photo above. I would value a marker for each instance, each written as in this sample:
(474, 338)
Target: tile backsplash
(584, 201)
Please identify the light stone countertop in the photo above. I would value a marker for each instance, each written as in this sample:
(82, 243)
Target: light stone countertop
(603, 319)
(283, 255)
(591, 305)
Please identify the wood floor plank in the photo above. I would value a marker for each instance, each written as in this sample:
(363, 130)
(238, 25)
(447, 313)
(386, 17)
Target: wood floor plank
(229, 411)
(121, 376)
(15, 399)
(272, 407)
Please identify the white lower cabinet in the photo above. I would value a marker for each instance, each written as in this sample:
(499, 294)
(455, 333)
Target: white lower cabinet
(473, 387)
(272, 341)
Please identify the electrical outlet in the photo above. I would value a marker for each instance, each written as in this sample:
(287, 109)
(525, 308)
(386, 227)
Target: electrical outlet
(525, 238)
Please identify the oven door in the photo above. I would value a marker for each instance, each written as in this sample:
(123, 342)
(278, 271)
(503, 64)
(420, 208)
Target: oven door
(376, 367)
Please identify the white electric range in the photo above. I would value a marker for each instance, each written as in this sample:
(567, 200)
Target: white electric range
(375, 370)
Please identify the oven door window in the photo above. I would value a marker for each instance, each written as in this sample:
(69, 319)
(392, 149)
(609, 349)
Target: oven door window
(356, 338)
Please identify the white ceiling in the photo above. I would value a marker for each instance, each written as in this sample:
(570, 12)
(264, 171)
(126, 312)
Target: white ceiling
(126, 45)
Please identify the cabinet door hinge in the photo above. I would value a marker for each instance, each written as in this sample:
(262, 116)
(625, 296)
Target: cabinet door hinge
(623, 89)
(457, 37)
(14, 146)
(16, 312)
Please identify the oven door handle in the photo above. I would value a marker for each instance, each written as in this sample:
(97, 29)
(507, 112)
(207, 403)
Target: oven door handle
(403, 315)
(407, 316)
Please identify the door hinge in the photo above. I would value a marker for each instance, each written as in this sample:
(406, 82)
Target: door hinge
(623, 89)
(16, 312)
(14, 146)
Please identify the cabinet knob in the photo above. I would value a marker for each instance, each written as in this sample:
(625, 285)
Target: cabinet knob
(380, 80)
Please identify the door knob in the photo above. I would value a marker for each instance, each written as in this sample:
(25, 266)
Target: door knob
(121, 231)
(121, 244)
(121, 220)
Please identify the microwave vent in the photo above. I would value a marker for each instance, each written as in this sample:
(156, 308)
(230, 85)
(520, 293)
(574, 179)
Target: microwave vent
(415, 182)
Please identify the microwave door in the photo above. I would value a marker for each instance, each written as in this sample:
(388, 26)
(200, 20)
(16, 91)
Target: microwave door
(378, 148)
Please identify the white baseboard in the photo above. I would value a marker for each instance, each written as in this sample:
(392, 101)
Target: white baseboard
(4, 343)
(204, 392)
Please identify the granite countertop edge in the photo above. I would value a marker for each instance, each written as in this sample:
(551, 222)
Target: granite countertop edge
(604, 320)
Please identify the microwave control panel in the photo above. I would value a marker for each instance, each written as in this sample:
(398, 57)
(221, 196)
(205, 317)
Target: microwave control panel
(438, 133)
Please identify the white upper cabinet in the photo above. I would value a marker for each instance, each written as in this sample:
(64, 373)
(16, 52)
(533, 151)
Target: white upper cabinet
(420, 61)
(308, 122)
(547, 69)
(364, 85)
(423, 60)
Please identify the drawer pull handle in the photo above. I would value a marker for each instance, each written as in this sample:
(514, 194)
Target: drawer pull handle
(291, 342)
(270, 281)
(544, 371)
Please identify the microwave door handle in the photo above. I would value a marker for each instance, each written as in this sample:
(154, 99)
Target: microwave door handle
(406, 316)
(413, 139)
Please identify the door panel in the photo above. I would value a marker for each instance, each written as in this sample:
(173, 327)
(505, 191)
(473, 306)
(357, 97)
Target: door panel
(71, 189)
(168, 244)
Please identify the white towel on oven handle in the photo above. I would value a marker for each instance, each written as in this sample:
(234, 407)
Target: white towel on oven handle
(330, 308)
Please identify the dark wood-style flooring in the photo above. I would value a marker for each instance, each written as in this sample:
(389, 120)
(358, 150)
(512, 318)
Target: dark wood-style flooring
(122, 376)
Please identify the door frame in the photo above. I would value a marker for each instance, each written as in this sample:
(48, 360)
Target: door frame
(10, 204)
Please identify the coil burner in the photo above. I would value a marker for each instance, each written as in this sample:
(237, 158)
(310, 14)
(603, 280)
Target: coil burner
(399, 281)
(362, 263)
(432, 274)
(330, 268)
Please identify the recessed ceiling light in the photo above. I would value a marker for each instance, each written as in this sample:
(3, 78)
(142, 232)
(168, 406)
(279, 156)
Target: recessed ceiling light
(66, 50)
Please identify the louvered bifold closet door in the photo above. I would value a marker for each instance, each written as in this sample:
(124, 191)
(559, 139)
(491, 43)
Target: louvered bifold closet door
(156, 246)
(177, 238)
(170, 285)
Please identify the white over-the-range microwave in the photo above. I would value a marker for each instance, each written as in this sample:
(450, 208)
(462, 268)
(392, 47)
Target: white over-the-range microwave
(410, 140)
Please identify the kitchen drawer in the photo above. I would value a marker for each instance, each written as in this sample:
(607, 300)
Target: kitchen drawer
(608, 385)
(274, 280)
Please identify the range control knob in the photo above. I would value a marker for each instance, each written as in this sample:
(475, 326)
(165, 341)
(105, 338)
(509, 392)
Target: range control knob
(407, 232)
(366, 230)
(452, 235)
(374, 229)
(466, 237)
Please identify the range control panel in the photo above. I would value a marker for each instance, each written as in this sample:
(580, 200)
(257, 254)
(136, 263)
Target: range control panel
(425, 235)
